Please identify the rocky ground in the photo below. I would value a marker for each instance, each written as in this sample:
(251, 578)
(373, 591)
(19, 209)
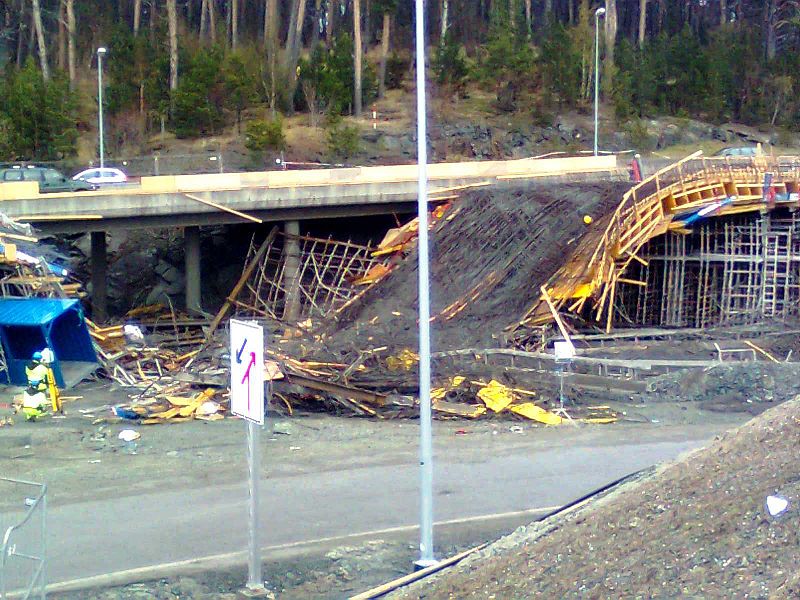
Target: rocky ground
(697, 528)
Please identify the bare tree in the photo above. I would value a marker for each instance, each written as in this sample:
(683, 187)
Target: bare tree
(37, 23)
(357, 57)
(293, 43)
(387, 28)
(212, 21)
(72, 56)
(137, 16)
(203, 20)
(172, 24)
(271, 26)
(234, 16)
(723, 12)
(770, 37)
(62, 37)
(445, 16)
(315, 29)
(611, 39)
(528, 16)
(642, 22)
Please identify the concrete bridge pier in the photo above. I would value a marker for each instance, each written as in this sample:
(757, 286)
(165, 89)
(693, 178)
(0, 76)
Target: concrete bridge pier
(291, 274)
(191, 245)
(99, 264)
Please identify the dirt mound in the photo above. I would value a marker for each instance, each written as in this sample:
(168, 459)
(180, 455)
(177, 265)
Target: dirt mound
(489, 255)
(698, 528)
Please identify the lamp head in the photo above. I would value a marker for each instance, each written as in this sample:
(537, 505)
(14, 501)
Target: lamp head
(600, 12)
(101, 51)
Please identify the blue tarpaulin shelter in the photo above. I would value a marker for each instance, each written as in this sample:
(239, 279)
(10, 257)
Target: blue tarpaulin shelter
(28, 325)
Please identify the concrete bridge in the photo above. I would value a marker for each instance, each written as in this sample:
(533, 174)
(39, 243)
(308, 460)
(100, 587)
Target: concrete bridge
(191, 201)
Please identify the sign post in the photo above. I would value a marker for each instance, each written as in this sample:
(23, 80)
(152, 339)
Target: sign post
(247, 401)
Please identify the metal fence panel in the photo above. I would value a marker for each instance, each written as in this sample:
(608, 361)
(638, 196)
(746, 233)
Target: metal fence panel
(22, 540)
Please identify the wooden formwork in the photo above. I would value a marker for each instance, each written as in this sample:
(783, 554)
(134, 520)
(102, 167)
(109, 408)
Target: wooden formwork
(598, 265)
(327, 272)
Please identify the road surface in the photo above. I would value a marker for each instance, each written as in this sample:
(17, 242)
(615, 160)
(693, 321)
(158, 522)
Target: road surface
(102, 537)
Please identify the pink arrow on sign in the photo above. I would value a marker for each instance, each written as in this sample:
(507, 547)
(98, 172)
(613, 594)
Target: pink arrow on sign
(247, 376)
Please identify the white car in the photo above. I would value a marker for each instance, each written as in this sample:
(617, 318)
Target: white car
(101, 176)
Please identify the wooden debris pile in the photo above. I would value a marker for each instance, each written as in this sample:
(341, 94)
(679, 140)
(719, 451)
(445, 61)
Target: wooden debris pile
(207, 405)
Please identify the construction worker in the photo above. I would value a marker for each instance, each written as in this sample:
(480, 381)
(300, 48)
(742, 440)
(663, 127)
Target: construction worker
(34, 403)
(34, 399)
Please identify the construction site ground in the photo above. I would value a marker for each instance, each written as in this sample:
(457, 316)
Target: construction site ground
(82, 461)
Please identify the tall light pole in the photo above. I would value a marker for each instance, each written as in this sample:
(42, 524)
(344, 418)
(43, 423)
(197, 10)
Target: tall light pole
(100, 53)
(426, 558)
(597, 14)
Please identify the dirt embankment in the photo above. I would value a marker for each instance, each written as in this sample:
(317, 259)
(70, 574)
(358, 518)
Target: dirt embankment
(696, 529)
(489, 255)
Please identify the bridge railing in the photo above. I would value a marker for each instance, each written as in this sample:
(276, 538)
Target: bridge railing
(22, 540)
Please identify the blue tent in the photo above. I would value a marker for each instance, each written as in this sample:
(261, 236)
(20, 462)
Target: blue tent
(28, 325)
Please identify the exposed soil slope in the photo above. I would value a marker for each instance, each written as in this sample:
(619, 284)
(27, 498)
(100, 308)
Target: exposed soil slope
(696, 529)
(492, 250)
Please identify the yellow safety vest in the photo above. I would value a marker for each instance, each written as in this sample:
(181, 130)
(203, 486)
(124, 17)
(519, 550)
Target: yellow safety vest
(38, 373)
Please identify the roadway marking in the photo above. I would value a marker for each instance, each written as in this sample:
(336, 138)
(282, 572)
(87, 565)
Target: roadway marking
(229, 558)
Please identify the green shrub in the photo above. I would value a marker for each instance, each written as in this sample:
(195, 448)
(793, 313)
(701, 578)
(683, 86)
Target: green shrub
(262, 136)
(450, 64)
(639, 136)
(330, 73)
(396, 69)
(343, 141)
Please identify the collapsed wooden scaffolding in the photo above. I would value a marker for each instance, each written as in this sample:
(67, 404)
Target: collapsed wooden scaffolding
(590, 281)
(317, 275)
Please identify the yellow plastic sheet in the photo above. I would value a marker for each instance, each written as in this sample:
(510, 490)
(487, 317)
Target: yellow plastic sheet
(536, 413)
(496, 396)
(404, 361)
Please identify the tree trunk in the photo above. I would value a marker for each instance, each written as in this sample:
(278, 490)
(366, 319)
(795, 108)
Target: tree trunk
(62, 37)
(611, 39)
(357, 57)
(72, 55)
(212, 21)
(137, 16)
(330, 21)
(445, 16)
(512, 14)
(203, 20)
(723, 12)
(642, 22)
(293, 43)
(37, 23)
(387, 27)
(234, 16)
(548, 9)
(571, 11)
(172, 24)
(315, 30)
(528, 16)
(21, 34)
(153, 17)
(271, 24)
(769, 24)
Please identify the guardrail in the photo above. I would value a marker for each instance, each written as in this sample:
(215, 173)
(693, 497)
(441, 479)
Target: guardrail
(23, 545)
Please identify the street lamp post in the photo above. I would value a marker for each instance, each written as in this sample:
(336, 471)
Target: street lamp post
(597, 14)
(100, 53)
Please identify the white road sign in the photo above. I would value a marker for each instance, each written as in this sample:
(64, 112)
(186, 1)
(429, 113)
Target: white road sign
(247, 370)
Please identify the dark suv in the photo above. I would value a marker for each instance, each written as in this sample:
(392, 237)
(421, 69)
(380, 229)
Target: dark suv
(49, 179)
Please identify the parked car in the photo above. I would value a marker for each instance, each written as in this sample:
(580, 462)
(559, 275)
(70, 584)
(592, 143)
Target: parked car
(49, 180)
(743, 151)
(101, 176)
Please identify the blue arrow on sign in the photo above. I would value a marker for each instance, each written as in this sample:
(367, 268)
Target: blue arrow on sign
(240, 352)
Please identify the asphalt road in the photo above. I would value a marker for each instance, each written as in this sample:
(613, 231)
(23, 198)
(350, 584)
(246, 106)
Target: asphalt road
(96, 538)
